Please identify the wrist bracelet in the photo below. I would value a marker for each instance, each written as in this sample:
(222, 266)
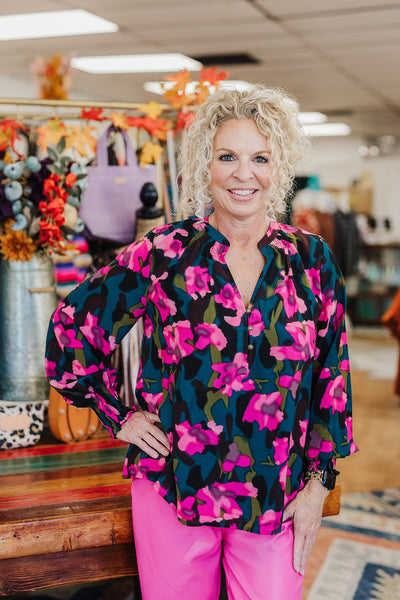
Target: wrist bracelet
(318, 475)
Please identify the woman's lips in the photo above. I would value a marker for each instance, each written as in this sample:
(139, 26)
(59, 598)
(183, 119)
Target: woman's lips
(243, 194)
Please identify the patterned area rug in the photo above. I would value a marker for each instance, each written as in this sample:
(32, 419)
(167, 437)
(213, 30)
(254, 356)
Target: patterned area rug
(357, 553)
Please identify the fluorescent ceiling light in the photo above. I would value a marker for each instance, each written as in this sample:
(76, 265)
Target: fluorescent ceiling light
(327, 129)
(155, 87)
(235, 84)
(136, 63)
(312, 117)
(53, 24)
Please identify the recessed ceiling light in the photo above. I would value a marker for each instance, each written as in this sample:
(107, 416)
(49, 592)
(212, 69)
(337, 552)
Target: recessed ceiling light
(158, 87)
(136, 63)
(53, 24)
(327, 129)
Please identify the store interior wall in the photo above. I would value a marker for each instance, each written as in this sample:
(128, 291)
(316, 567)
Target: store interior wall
(338, 164)
(335, 160)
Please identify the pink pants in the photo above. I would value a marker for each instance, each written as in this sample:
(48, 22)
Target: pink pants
(177, 562)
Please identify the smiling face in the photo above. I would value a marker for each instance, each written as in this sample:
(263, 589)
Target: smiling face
(240, 170)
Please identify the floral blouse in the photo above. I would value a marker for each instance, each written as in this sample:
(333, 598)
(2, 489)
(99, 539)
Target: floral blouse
(249, 397)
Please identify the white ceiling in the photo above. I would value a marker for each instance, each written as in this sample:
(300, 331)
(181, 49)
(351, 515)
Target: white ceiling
(341, 57)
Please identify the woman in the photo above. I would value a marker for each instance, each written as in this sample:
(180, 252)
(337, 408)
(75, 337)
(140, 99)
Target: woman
(244, 386)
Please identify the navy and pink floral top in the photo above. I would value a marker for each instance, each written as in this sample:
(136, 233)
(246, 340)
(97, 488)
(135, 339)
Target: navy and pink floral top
(249, 396)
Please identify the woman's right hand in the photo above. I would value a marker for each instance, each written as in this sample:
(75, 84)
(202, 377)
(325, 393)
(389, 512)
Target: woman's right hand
(141, 429)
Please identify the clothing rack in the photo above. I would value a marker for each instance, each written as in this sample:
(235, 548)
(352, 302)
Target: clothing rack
(19, 102)
(63, 104)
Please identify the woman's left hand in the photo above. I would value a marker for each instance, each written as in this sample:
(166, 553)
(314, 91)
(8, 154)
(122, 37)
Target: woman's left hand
(306, 511)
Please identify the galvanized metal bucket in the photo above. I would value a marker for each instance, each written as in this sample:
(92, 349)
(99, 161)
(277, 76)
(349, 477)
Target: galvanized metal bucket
(27, 300)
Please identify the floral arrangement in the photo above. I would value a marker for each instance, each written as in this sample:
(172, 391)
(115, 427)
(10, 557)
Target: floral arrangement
(39, 202)
(39, 199)
(54, 76)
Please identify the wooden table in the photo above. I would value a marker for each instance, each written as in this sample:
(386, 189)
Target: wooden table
(65, 515)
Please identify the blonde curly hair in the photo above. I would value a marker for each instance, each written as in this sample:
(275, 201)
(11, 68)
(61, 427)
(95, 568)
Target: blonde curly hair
(276, 115)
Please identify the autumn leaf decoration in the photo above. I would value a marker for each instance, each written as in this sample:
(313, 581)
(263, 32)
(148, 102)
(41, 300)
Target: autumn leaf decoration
(178, 95)
(51, 133)
(181, 92)
(93, 114)
(81, 139)
(151, 109)
(119, 120)
(9, 133)
(186, 93)
(150, 153)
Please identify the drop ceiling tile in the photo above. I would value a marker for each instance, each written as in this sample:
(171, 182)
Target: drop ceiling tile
(343, 21)
(285, 8)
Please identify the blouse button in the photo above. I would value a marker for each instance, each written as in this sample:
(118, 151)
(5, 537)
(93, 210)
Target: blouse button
(250, 327)
(250, 347)
(248, 310)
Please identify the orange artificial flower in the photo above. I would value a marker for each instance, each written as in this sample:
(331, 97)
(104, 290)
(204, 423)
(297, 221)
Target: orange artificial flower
(16, 245)
(70, 179)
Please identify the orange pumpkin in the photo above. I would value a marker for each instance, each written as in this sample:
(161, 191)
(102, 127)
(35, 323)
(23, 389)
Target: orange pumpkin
(69, 423)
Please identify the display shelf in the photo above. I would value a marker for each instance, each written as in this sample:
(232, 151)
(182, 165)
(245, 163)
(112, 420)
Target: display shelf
(378, 278)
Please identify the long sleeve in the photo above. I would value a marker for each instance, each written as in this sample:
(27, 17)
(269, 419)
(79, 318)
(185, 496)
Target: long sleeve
(89, 324)
(330, 428)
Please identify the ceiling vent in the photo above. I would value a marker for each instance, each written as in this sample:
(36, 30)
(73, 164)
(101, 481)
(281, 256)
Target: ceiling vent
(242, 58)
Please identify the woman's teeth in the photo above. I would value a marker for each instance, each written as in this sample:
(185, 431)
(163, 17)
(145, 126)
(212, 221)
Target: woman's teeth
(242, 192)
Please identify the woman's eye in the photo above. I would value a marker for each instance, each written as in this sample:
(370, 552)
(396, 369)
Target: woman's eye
(226, 157)
(261, 159)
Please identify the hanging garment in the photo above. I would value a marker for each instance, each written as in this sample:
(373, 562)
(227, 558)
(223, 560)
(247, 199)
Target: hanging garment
(347, 242)
(391, 320)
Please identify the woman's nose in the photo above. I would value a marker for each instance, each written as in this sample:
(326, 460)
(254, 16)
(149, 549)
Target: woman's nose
(243, 170)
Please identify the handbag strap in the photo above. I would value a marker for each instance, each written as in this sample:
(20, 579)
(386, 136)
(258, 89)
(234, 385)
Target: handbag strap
(101, 151)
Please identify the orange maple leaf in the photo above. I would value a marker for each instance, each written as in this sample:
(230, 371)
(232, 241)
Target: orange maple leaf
(212, 77)
(135, 121)
(9, 133)
(51, 133)
(156, 127)
(203, 91)
(4, 140)
(81, 140)
(119, 120)
(184, 120)
(176, 94)
(182, 78)
(161, 128)
(93, 114)
(151, 109)
(150, 153)
(178, 99)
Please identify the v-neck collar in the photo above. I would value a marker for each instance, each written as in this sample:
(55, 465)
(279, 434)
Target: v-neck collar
(263, 245)
(270, 234)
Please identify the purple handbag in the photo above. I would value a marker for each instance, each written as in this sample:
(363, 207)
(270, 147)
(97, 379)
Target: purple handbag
(113, 195)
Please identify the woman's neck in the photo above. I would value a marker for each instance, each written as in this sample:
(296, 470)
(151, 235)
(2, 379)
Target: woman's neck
(240, 232)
